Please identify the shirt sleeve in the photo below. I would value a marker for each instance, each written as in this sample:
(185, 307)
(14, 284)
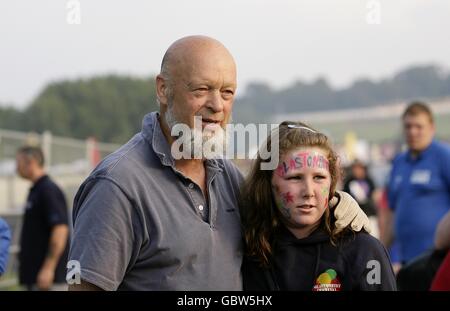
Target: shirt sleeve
(5, 239)
(55, 206)
(106, 233)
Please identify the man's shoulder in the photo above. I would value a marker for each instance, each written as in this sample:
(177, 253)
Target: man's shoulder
(399, 158)
(49, 185)
(397, 165)
(124, 161)
(441, 148)
(127, 169)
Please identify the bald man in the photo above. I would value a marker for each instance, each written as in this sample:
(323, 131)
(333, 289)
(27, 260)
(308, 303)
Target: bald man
(147, 219)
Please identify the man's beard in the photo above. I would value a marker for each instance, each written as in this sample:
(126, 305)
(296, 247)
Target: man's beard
(208, 143)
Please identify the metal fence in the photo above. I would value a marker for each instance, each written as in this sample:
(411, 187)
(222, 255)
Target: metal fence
(68, 161)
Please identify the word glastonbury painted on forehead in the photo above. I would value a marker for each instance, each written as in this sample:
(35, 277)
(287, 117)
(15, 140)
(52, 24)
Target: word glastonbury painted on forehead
(302, 160)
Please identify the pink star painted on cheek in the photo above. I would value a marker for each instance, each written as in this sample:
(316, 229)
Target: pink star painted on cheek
(287, 197)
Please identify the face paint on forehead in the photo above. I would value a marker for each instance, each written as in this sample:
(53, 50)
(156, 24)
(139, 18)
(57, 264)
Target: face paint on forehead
(302, 160)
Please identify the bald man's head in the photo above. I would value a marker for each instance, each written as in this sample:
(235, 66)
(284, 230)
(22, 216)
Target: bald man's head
(198, 78)
(185, 50)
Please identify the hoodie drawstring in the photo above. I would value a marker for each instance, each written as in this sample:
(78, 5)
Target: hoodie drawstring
(316, 269)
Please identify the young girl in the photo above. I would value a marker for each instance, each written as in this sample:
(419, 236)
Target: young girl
(291, 241)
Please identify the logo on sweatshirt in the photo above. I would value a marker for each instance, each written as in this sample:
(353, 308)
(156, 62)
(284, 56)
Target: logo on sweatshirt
(327, 281)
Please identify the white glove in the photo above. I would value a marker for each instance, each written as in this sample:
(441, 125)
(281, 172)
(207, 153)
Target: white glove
(348, 212)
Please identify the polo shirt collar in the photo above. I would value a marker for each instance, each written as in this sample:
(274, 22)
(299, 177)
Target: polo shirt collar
(425, 153)
(39, 181)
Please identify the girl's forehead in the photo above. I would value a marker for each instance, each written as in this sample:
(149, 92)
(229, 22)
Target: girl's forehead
(308, 151)
(301, 159)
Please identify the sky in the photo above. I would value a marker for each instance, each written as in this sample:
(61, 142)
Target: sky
(273, 41)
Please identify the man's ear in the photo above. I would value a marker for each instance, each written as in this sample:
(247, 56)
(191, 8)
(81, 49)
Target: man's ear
(161, 90)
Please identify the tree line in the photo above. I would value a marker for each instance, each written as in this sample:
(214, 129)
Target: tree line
(110, 108)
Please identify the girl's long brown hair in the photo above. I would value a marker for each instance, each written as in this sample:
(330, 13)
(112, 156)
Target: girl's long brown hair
(260, 218)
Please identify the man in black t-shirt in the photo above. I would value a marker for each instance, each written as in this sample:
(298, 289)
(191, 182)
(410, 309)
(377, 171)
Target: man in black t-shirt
(45, 231)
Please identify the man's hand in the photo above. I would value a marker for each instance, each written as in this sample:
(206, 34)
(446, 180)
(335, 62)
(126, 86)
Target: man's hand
(348, 212)
(45, 278)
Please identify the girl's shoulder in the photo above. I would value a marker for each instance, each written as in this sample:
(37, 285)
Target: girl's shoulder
(361, 244)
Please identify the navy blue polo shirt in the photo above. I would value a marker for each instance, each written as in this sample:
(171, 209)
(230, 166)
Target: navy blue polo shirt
(419, 194)
(46, 207)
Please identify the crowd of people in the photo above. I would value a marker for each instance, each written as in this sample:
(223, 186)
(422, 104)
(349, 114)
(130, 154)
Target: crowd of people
(145, 219)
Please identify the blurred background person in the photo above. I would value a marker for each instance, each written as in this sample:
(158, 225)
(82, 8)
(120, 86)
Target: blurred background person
(419, 186)
(361, 187)
(5, 239)
(45, 231)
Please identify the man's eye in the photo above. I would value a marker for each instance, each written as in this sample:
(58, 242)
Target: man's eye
(227, 94)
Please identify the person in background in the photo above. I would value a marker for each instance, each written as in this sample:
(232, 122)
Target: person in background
(419, 185)
(45, 230)
(5, 240)
(361, 187)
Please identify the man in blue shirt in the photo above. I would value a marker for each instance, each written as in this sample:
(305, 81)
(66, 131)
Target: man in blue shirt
(5, 239)
(419, 185)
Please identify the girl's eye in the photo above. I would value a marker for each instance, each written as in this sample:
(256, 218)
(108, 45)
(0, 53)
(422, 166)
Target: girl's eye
(294, 178)
(320, 177)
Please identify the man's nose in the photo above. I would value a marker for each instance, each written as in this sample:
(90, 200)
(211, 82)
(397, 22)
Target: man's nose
(215, 101)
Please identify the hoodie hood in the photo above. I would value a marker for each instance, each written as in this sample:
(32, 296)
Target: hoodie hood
(286, 240)
(286, 237)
